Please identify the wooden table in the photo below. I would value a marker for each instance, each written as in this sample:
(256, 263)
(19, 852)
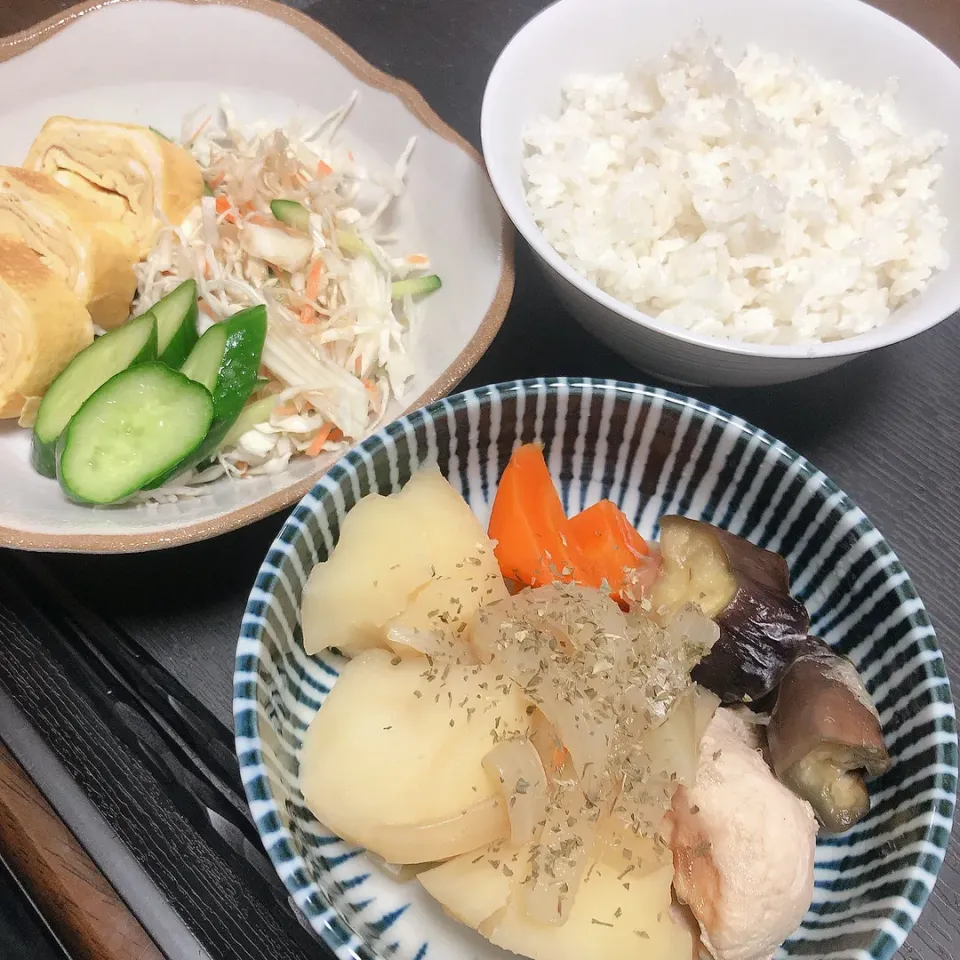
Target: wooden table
(887, 429)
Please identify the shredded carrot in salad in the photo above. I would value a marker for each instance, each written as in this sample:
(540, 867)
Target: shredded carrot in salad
(293, 220)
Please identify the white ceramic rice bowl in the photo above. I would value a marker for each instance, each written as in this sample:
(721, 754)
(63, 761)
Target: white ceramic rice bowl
(846, 39)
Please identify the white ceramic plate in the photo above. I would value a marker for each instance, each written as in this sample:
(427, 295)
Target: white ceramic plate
(150, 62)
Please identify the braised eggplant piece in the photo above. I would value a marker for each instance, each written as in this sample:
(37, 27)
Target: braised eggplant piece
(825, 734)
(746, 589)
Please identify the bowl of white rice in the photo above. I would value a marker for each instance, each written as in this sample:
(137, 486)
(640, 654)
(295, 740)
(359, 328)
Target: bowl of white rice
(733, 192)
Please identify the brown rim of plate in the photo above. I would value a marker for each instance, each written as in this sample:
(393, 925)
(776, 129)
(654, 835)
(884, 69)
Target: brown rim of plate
(18, 43)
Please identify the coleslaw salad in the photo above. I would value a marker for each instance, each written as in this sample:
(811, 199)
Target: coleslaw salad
(291, 219)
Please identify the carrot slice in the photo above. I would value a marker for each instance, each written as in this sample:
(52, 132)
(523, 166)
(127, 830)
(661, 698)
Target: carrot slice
(609, 545)
(224, 206)
(313, 279)
(323, 169)
(319, 439)
(199, 130)
(308, 314)
(528, 523)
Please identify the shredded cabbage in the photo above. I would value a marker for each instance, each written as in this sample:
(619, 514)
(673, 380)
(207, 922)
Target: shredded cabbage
(337, 347)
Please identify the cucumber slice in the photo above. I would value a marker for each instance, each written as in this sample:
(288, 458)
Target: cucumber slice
(133, 343)
(232, 350)
(291, 213)
(257, 412)
(349, 242)
(415, 286)
(203, 364)
(240, 368)
(226, 360)
(139, 425)
(176, 316)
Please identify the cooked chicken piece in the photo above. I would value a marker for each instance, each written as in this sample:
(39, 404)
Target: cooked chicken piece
(743, 846)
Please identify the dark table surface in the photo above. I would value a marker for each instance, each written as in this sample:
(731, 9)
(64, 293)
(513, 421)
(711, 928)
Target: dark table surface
(885, 428)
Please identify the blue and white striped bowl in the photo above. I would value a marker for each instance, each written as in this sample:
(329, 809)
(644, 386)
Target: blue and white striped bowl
(653, 453)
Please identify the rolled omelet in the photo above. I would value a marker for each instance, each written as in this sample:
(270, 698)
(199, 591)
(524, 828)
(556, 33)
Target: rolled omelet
(94, 256)
(43, 326)
(135, 175)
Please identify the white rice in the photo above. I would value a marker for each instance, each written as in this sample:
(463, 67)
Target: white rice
(755, 201)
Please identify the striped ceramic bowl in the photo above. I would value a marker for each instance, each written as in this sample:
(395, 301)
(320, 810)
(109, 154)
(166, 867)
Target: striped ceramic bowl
(653, 453)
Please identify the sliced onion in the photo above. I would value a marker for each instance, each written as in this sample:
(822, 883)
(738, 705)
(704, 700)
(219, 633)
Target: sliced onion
(278, 245)
(559, 861)
(484, 823)
(406, 642)
(641, 575)
(515, 765)
(409, 642)
(549, 747)
(208, 221)
(484, 631)
(705, 706)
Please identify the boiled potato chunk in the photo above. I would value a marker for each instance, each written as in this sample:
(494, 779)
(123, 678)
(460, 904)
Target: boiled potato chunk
(622, 909)
(418, 559)
(608, 921)
(399, 744)
(473, 887)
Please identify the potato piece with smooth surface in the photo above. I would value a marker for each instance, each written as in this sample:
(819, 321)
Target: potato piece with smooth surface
(398, 744)
(469, 887)
(421, 550)
(614, 915)
(622, 908)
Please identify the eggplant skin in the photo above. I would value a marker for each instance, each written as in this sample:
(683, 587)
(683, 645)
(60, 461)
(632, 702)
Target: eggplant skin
(762, 628)
(825, 735)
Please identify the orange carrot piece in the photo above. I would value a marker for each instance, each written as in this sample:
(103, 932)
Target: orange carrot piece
(528, 523)
(308, 315)
(216, 180)
(323, 169)
(224, 206)
(314, 276)
(609, 545)
(417, 258)
(559, 758)
(319, 439)
(247, 207)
